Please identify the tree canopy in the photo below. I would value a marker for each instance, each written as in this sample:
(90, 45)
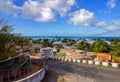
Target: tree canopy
(7, 40)
(100, 46)
(84, 46)
(115, 49)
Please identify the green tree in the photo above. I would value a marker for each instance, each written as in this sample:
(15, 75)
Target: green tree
(84, 46)
(87, 46)
(45, 43)
(65, 40)
(23, 42)
(7, 41)
(80, 46)
(37, 41)
(100, 46)
(115, 49)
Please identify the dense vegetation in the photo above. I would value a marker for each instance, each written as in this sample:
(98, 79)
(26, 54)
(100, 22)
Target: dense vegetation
(9, 41)
(115, 49)
(84, 46)
(101, 46)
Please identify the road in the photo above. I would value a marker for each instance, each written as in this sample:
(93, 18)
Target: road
(99, 74)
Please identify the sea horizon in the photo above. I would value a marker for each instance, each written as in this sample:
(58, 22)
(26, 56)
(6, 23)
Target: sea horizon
(74, 37)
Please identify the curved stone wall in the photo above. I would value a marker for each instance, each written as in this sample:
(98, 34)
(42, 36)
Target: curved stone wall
(36, 77)
(5, 64)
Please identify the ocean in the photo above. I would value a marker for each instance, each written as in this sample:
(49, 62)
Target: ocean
(70, 37)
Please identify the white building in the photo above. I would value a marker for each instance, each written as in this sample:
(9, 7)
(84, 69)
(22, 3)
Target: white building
(46, 52)
(57, 43)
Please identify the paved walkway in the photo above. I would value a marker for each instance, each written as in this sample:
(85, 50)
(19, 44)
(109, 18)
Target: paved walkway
(82, 72)
(51, 76)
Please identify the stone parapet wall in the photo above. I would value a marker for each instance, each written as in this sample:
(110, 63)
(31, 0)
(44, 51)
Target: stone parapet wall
(36, 77)
(90, 62)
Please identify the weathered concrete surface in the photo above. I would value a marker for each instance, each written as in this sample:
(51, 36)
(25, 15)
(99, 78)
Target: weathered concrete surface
(83, 71)
(52, 76)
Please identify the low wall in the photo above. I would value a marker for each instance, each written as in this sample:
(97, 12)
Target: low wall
(4, 64)
(91, 62)
(36, 77)
(15, 70)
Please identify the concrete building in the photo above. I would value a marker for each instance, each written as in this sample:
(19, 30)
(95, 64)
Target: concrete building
(37, 46)
(57, 43)
(46, 52)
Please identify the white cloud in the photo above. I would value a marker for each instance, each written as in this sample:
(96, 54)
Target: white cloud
(111, 3)
(61, 6)
(9, 7)
(86, 18)
(111, 28)
(116, 22)
(39, 10)
(36, 11)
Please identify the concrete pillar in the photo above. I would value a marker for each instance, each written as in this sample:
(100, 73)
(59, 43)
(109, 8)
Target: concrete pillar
(115, 65)
(74, 60)
(105, 64)
(69, 60)
(90, 62)
(97, 62)
(84, 61)
(78, 61)
(65, 59)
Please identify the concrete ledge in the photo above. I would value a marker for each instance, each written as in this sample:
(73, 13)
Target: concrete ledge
(97, 62)
(115, 65)
(34, 57)
(105, 64)
(84, 61)
(91, 62)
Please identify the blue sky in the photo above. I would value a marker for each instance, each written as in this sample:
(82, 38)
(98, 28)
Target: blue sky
(63, 17)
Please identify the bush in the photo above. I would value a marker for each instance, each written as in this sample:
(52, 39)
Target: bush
(61, 54)
(117, 59)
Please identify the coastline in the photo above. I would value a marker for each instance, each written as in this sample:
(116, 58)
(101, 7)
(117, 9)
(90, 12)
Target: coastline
(71, 37)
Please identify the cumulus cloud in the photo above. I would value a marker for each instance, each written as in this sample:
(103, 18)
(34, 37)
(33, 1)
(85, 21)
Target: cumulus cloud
(116, 22)
(39, 10)
(36, 11)
(9, 7)
(86, 18)
(111, 3)
(61, 6)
